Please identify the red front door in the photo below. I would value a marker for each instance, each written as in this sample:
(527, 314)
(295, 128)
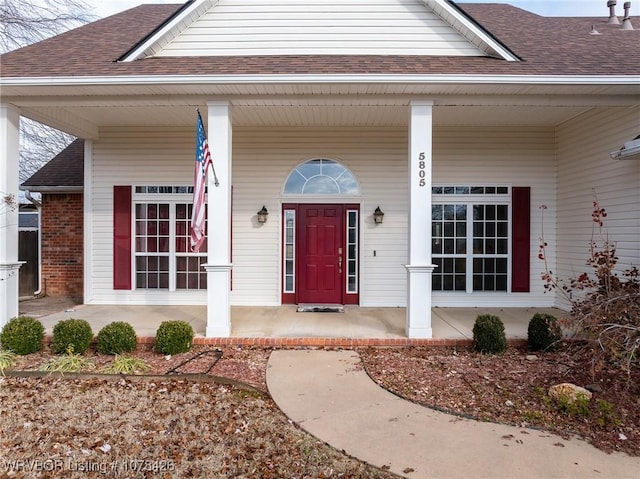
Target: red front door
(320, 254)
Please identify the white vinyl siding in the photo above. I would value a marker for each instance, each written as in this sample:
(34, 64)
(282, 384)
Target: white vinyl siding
(264, 157)
(262, 160)
(585, 168)
(125, 156)
(517, 156)
(335, 27)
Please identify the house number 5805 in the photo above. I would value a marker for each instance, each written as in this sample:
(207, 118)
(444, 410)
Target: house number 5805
(422, 172)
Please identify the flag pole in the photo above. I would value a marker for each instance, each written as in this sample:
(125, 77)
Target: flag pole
(215, 178)
(213, 170)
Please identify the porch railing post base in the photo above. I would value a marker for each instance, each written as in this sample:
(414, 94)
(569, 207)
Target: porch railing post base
(9, 291)
(419, 301)
(218, 301)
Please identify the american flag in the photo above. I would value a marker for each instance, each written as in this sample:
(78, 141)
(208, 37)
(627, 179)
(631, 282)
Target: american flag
(203, 160)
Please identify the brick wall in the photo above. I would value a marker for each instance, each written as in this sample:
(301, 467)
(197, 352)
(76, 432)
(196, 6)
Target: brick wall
(62, 245)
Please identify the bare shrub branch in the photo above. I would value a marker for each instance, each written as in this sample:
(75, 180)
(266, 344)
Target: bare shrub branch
(608, 311)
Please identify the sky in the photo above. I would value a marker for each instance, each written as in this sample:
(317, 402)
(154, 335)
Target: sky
(552, 8)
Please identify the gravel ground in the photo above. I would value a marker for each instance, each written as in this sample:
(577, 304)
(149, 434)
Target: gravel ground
(188, 425)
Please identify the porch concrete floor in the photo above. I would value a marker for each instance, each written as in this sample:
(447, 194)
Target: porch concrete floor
(282, 321)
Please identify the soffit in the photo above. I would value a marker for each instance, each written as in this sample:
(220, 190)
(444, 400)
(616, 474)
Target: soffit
(83, 109)
(308, 115)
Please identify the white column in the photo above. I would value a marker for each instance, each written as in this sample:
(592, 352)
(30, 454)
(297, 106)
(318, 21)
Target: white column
(9, 264)
(88, 221)
(218, 265)
(419, 267)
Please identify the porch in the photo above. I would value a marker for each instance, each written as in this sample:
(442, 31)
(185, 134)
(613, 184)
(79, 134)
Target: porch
(285, 326)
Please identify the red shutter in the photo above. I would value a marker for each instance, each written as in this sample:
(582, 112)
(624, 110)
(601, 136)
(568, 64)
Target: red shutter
(122, 237)
(521, 239)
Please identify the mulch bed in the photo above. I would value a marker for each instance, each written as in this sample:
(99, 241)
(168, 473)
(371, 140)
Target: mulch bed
(508, 388)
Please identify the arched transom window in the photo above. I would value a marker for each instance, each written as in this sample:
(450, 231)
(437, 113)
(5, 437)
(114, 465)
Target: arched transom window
(321, 177)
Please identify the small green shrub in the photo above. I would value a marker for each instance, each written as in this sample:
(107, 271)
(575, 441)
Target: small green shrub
(127, 365)
(74, 333)
(532, 416)
(22, 335)
(544, 332)
(575, 408)
(174, 337)
(606, 414)
(116, 338)
(488, 334)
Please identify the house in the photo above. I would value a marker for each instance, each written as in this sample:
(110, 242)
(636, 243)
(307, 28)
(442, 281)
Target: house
(60, 184)
(457, 121)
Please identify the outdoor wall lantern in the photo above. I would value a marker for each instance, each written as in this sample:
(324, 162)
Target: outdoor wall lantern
(262, 215)
(378, 215)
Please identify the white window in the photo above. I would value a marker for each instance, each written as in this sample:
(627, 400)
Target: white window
(289, 251)
(352, 251)
(470, 229)
(163, 257)
(321, 177)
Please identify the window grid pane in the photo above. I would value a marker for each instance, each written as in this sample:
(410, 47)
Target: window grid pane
(490, 274)
(449, 246)
(152, 272)
(470, 252)
(183, 228)
(470, 190)
(352, 248)
(190, 273)
(450, 275)
(289, 251)
(321, 176)
(162, 231)
(490, 247)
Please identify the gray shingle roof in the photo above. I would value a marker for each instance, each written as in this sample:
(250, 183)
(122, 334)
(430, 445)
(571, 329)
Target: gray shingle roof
(546, 46)
(65, 171)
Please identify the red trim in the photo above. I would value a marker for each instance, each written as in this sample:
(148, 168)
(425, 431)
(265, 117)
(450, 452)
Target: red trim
(122, 237)
(347, 298)
(521, 239)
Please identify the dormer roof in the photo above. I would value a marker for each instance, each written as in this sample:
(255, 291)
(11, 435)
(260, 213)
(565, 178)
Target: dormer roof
(340, 27)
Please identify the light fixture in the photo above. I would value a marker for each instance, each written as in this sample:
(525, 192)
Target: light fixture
(378, 215)
(629, 151)
(262, 215)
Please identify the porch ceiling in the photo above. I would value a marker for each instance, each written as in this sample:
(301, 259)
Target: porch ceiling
(83, 110)
(308, 115)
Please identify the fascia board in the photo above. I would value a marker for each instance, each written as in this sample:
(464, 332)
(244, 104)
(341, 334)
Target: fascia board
(464, 79)
(469, 29)
(52, 189)
(169, 30)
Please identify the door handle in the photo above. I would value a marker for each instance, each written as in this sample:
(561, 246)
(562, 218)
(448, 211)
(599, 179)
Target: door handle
(339, 260)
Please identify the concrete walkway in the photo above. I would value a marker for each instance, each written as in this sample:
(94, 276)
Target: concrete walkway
(330, 395)
(282, 321)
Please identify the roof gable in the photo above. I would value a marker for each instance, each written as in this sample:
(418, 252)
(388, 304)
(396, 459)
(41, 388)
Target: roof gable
(64, 172)
(205, 28)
